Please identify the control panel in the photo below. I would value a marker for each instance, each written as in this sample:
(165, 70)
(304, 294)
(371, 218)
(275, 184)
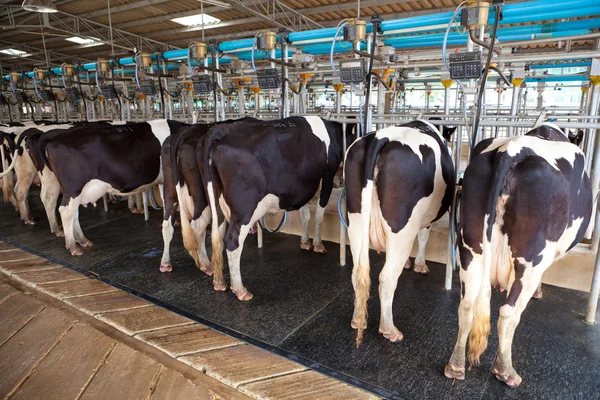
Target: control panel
(268, 78)
(73, 94)
(20, 97)
(47, 95)
(465, 65)
(352, 71)
(147, 87)
(202, 84)
(108, 91)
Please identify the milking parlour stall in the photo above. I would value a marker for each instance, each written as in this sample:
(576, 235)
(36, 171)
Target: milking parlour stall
(293, 199)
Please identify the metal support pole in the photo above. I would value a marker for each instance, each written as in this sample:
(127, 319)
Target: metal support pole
(514, 106)
(446, 101)
(241, 109)
(592, 306)
(105, 201)
(451, 262)
(285, 110)
(343, 230)
(380, 101)
(145, 200)
(259, 236)
(594, 228)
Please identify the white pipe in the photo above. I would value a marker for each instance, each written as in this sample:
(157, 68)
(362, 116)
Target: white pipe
(594, 227)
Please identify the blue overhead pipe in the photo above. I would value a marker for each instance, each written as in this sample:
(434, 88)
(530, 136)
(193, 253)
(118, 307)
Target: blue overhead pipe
(259, 54)
(563, 65)
(233, 45)
(325, 48)
(564, 78)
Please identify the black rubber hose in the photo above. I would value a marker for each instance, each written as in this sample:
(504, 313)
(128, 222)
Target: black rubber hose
(484, 78)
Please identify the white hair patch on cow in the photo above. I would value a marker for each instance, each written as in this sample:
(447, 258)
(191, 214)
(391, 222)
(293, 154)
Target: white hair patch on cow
(494, 144)
(409, 137)
(160, 129)
(549, 151)
(319, 130)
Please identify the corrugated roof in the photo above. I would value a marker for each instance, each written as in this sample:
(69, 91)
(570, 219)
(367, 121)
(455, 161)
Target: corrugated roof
(152, 19)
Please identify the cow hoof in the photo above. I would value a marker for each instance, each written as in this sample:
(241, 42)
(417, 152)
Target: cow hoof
(166, 267)
(354, 324)
(135, 211)
(421, 268)
(511, 380)
(59, 233)
(393, 336)
(244, 296)
(407, 265)
(176, 223)
(305, 245)
(252, 230)
(453, 372)
(538, 294)
(319, 248)
(29, 221)
(220, 286)
(207, 270)
(87, 243)
(76, 252)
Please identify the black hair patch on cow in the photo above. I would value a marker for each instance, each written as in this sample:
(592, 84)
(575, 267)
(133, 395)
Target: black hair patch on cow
(354, 172)
(517, 286)
(548, 132)
(403, 180)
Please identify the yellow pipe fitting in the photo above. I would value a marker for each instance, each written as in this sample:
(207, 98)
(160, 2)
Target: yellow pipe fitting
(255, 90)
(447, 82)
(585, 89)
(516, 82)
(484, 9)
(595, 79)
(338, 86)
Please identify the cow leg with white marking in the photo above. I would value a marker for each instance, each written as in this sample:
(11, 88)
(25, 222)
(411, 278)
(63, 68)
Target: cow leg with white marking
(67, 214)
(470, 284)
(304, 219)
(26, 173)
(199, 228)
(49, 195)
(397, 252)
(420, 264)
(167, 234)
(524, 282)
(233, 258)
(79, 236)
(317, 244)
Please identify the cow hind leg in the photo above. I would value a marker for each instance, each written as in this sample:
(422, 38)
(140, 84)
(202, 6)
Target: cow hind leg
(67, 214)
(21, 190)
(233, 257)
(397, 252)
(420, 264)
(354, 234)
(317, 244)
(521, 290)
(199, 228)
(79, 236)
(304, 219)
(167, 234)
(49, 195)
(470, 283)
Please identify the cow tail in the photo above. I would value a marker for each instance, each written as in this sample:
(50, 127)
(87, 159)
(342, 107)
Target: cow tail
(216, 239)
(42, 147)
(7, 181)
(6, 171)
(363, 270)
(494, 251)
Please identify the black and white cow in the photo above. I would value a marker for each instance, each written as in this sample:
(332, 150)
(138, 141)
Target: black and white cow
(525, 201)
(7, 146)
(399, 180)
(183, 186)
(271, 166)
(91, 161)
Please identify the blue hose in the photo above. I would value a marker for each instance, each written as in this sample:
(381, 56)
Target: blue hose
(339, 207)
(263, 223)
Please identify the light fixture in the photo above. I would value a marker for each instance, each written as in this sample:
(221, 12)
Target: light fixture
(15, 53)
(89, 42)
(195, 20)
(43, 6)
